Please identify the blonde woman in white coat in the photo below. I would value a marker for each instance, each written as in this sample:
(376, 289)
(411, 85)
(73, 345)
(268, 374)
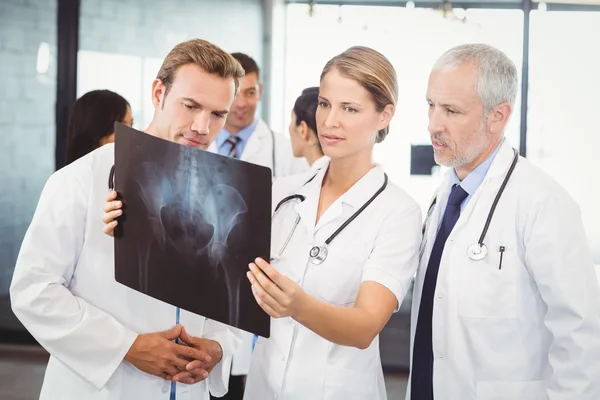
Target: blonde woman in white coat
(327, 317)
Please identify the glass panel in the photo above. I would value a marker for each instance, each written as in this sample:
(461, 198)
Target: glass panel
(122, 45)
(27, 98)
(563, 137)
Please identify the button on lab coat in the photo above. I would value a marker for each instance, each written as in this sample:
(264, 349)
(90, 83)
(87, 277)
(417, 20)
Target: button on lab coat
(525, 324)
(64, 292)
(380, 245)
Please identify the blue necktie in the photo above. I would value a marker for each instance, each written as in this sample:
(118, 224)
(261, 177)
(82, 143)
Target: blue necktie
(422, 365)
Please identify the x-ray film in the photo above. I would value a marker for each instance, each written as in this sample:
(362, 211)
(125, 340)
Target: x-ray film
(192, 222)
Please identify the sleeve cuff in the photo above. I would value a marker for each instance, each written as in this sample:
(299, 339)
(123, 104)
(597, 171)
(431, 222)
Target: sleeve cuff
(104, 374)
(218, 380)
(387, 280)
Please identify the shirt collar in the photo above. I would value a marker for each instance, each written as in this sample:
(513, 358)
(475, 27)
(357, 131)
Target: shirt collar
(472, 181)
(244, 134)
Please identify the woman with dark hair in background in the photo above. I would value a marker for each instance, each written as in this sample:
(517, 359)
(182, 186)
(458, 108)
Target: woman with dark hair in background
(92, 121)
(303, 129)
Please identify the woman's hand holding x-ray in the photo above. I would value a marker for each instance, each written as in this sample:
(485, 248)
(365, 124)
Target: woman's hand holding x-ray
(112, 210)
(274, 292)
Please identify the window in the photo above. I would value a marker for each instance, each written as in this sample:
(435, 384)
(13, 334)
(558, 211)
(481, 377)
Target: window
(412, 39)
(563, 132)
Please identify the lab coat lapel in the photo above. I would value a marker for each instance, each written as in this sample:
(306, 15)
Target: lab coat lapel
(364, 189)
(481, 201)
(258, 144)
(308, 208)
(353, 199)
(431, 227)
(492, 181)
(502, 162)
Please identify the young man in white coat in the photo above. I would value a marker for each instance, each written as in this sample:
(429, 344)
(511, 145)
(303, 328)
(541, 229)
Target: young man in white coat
(107, 341)
(511, 312)
(250, 139)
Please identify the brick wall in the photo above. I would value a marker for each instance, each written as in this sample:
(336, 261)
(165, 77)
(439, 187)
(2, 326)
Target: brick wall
(147, 29)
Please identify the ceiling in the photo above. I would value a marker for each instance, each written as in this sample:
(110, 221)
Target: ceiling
(480, 2)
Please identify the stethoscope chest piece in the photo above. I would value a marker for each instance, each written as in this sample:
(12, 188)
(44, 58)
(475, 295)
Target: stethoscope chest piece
(477, 251)
(318, 254)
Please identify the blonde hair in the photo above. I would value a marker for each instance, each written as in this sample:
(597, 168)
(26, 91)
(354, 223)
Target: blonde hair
(203, 54)
(373, 71)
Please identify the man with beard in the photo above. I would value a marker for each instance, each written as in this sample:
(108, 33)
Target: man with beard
(506, 302)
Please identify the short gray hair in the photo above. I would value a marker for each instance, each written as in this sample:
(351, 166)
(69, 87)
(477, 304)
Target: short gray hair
(497, 78)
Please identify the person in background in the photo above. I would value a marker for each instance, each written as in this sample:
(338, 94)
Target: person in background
(303, 129)
(248, 137)
(92, 121)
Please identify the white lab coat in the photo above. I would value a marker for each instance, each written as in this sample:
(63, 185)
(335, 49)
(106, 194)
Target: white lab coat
(531, 329)
(64, 292)
(259, 150)
(380, 245)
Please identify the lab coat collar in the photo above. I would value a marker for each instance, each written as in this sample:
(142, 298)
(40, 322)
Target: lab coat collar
(502, 161)
(257, 141)
(355, 197)
(497, 170)
(365, 188)
(308, 208)
(320, 163)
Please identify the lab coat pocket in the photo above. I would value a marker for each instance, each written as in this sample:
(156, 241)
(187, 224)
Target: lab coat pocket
(531, 390)
(347, 384)
(488, 288)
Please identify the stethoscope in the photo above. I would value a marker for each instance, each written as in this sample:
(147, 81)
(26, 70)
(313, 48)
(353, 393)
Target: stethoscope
(318, 254)
(111, 179)
(478, 251)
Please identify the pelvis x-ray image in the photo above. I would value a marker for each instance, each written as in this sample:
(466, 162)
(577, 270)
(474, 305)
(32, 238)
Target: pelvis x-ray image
(192, 222)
